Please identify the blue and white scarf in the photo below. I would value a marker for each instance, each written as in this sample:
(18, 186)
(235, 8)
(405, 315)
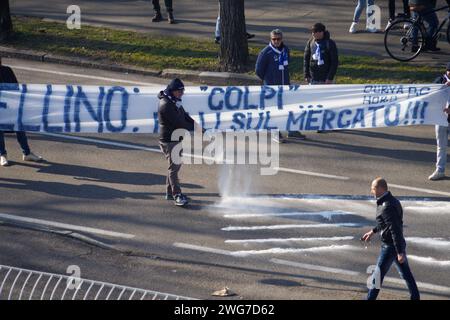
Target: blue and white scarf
(283, 56)
(317, 55)
(176, 101)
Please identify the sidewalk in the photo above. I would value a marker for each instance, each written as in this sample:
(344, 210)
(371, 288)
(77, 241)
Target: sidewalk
(197, 18)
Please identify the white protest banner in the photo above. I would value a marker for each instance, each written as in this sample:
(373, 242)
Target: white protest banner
(96, 109)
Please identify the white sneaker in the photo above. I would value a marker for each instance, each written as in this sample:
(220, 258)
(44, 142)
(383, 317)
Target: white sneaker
(3, 161)
(437, 175)
(372, 30)
(388, 25)
(32, 157)
(353, 27)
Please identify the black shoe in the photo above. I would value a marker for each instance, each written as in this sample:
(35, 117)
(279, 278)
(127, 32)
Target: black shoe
(157, 17)
(249, 35)
(170, 18)
(217, 40)
(296, 135)
(415, 49)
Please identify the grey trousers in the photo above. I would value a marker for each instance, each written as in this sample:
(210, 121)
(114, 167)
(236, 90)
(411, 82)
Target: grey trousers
(172, 182)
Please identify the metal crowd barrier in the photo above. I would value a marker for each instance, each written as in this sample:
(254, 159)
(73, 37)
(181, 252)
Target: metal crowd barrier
(23, 284)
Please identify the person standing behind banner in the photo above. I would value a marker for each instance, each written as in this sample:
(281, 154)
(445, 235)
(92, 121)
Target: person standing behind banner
(172, 116)
(393, 248)
(8, 76)
(442, 134)
(321, 58)
(272, 67)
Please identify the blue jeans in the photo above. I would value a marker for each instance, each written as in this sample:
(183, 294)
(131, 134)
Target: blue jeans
(360, 7)
(442, 134)
(432, 23)
(21, 138)
(388, 255)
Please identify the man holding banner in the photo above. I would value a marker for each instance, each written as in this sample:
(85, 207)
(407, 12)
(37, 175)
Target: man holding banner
(8, 76)
(442, 134)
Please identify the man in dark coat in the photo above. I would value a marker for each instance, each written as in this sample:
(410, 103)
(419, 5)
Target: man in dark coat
(393, 249)
(7, 76)
(172, 116)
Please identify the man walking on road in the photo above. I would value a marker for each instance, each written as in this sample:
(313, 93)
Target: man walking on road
(393, 249)
(442, 134)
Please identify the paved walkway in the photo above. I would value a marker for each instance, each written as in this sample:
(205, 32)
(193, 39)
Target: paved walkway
(197, 18)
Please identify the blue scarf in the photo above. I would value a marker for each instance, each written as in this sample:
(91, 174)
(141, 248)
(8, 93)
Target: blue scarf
(317, 55)
(282, 58)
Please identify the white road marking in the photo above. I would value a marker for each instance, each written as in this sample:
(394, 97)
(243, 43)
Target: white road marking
(310, 173)
(325, 214)
(315, 267)
(271, 240)
(441, 193)
(77, 75)
(429, 261)
(421, 285)
(333, 248)
(426, 207)
(67, 226)
(245, 253)
(293, 226)
(435, 243)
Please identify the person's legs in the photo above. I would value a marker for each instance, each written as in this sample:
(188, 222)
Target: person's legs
(169, 6)
(156, 6)
(442, 143)
(358, 10)
(385, 260)
(23, 142)
(2, 144)
(173, 185)
(406, 274)
(432, 25)
(406, 8)
(392, 9)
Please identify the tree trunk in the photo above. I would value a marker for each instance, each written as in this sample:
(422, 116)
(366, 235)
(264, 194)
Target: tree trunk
(5, 20)
(233, 44)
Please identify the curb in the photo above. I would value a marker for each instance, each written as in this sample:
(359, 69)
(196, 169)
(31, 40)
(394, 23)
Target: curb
(203, 77)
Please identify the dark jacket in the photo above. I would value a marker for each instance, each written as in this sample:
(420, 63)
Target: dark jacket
(267, 67)
(441, 79)
(171, 117)
(329, 54)
(428, 4)
(7, 75)
(390, 222)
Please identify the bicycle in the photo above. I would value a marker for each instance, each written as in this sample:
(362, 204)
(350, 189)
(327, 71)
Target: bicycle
(399, 36)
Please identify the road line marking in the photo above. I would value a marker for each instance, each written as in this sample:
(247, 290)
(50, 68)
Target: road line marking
(310, 173)
(293, 226)
(421, 285)
(202, 248)
(67, 226)
(333, 248)
(435, 243)
(429, 261)
(62, 73)
(398, 186)
(290, 240)
(315, 267)
(325, 214)
(110, 143)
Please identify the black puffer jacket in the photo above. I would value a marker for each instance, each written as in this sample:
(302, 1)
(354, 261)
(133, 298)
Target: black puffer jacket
(390, 222)
(329, 53)
(171, 117)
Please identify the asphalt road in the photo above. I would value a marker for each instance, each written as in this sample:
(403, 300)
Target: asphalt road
(239, 231)
(197, 18)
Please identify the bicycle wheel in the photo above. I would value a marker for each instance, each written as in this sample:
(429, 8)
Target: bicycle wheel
(399, 40)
